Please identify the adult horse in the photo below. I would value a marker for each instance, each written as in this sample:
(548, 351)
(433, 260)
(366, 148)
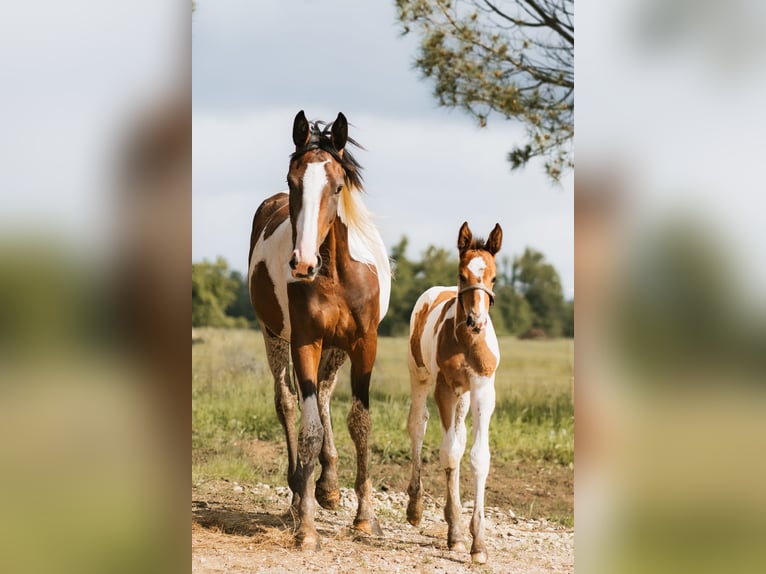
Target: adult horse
(453, 348)
(320, 282)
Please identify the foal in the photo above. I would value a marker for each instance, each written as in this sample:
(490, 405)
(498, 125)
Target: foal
(453, 346)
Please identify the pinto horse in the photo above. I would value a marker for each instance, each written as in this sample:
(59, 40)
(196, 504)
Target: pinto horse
(320, 282)
(454, 348)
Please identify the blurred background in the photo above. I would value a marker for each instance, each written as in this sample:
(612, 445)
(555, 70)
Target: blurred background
(95, 241)
(95, 227)
(670, 311)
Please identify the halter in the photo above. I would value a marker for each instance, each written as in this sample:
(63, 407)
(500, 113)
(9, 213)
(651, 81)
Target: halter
(480, 287)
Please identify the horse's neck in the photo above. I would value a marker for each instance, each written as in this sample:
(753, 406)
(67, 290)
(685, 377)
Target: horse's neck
(335, 247)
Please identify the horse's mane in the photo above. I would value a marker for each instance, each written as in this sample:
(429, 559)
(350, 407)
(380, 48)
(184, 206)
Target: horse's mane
(477, 244)
(320, 138)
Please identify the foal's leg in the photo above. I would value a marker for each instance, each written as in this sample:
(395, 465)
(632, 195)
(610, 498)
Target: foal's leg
(359, 424)
(452, 410)
(416, 426)
(482, 406)
(327, 490)
(277, 353)
(306, 360)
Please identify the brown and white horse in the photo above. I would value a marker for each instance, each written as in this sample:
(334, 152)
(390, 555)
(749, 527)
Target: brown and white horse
(454, 348)
(320, 282)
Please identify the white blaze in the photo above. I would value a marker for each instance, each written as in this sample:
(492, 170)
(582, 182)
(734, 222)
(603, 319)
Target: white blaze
(314, 180)
(477, 266)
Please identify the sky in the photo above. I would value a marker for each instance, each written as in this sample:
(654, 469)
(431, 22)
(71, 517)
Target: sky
(427, 169)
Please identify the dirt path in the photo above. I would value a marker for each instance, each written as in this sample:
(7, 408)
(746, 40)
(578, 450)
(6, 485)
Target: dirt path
(242, 528)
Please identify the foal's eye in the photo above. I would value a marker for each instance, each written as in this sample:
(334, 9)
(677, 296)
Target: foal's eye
(339, 189)
(494, 279)
(463, 279)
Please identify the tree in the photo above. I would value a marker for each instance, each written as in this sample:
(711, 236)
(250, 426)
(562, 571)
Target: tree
(213, 290)
(240, 306)
(539, 283)
(514, 58)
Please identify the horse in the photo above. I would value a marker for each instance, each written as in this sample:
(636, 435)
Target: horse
(320, 281)
(453, 348)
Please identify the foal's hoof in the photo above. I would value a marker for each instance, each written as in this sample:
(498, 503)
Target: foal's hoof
(368, 526)
(479, 557)
(327, 499)
(307, 541)
(414, 510)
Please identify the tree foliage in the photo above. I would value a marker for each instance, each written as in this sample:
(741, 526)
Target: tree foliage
(512, 57)
(539, 283)
(214, 289)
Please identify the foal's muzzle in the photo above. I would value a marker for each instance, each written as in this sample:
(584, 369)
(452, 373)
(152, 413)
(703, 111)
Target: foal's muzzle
(302, 270)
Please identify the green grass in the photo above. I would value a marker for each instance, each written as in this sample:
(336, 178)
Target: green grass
(232, 403)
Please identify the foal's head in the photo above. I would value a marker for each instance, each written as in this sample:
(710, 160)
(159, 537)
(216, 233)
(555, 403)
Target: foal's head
(477, 272)
(320, 170)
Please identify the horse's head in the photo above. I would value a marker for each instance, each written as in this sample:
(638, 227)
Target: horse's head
(477, 273)
(318, 173)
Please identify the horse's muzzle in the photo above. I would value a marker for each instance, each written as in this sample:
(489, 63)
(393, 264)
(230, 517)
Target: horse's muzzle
(303, 270)
(471, 323)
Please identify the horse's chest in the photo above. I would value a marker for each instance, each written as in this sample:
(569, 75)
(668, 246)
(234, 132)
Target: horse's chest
(335, 311)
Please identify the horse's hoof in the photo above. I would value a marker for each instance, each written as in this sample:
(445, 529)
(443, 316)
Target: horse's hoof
(414, 511)
(368, 526)
(458, 546)
(327, 499)
(307, 541)
(479, 557)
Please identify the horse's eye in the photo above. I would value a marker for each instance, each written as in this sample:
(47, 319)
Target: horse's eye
(463, 279)
(340, 188)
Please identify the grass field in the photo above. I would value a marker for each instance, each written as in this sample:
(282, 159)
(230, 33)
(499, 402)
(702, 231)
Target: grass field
(236, 435)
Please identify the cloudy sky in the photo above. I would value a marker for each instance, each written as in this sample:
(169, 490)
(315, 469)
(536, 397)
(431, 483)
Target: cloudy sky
(427, 169)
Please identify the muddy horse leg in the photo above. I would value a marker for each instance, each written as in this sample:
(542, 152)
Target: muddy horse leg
(306, 360)
(452, 410)
(482, 406)
(359, 425)
(327, 489)
(278, 355)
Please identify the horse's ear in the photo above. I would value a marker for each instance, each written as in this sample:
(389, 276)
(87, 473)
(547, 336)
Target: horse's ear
(464, 237)
(301, 130)
(339, 132)
(495, 240)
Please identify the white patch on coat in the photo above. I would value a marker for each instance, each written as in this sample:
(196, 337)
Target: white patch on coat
(275, 253)
(430, 334)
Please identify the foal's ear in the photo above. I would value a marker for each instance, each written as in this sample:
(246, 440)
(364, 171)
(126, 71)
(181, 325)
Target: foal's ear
(495, 240)
(339, 132)
(464, 237)
(300, 130)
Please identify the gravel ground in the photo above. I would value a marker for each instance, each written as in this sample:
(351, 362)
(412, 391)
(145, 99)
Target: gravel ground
(244, 528)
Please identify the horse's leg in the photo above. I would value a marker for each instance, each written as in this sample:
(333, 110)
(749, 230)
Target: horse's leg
(482, 406)
(327, 490)
(359, 425)
(416, 426)
(278, 353)
(306, 360)
(452, 411)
